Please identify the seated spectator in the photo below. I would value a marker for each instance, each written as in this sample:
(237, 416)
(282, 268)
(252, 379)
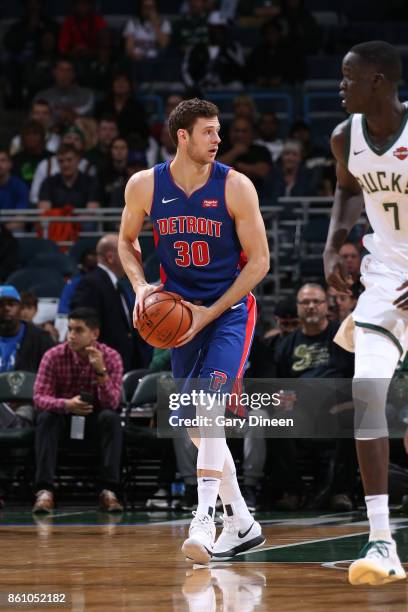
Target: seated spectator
(170, 103)
(167, 149)
(9, 252)
(22, 346)
(246, 156)
(38, 71)
(192, 28)
(65, 93)
(79, 368)
(21, 44)
(100, 289)
(118, 193)
(41, 113)
(303, 33)
(244, 106)
(87, 263)
(267, 132)
(129, 113)
(99, 70)
(310, 352)
(289, 176)
(70, 186)
(115, 174)
(28, 306)
(32, 151)
(219, 63)
(13, 191)
(351, 255)
(262, 364)
(99, 155)
(49, 167)
(79, 31)
(313, 155)
(147, 33)
(272, 62)
(341, 304)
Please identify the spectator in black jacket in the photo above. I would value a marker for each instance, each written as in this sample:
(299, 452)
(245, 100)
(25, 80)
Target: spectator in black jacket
(102, 290)
(128, 112)
(22, 345)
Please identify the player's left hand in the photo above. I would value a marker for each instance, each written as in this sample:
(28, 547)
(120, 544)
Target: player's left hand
(402, 300)
(201, 317)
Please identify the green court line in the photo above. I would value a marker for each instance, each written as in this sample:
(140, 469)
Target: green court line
(318, 550)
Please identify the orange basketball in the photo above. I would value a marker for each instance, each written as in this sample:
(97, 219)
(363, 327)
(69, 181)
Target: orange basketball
(163, 319)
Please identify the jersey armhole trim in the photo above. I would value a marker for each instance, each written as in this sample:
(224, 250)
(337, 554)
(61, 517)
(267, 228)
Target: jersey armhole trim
(384, 331)
(225, 194)
(347, 143)
(153, 192)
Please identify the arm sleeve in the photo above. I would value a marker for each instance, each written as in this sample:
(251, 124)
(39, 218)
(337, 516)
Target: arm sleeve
(45, 389)
(109, 392)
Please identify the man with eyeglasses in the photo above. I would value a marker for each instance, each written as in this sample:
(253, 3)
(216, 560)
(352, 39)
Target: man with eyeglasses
(309, 352)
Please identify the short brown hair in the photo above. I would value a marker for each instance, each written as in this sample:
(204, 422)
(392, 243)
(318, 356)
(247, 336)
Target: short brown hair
(184, 116)
(67, 148)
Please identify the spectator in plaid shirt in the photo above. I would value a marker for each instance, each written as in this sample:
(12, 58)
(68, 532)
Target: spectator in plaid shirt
(79, 366)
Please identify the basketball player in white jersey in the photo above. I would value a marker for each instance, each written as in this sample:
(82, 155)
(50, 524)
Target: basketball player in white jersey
(371, 150)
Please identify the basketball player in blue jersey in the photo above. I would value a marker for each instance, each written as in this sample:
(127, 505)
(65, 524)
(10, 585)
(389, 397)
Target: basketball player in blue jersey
(371, 151)
(204, 215)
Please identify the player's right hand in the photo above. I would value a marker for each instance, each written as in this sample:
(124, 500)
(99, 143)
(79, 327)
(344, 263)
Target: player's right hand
(335, 272)
(77, 406)
(142, 293)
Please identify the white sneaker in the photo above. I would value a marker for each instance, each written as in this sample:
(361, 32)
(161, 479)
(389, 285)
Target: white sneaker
(377, 564)
(232, 540)
(199, 545)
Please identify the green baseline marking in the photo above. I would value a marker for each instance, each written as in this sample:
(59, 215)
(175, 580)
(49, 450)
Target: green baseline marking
(323, 550)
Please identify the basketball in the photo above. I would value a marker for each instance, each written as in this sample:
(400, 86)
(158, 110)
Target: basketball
(164, 319)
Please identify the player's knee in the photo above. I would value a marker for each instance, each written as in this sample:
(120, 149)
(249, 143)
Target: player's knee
(369, 396)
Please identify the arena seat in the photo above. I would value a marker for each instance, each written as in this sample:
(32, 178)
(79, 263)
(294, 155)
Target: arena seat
(30, 247)
(48, 280)
(18, 386)
(77, 249)
(60, 261)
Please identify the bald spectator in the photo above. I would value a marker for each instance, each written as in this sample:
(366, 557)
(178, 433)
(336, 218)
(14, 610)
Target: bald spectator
(102, 290)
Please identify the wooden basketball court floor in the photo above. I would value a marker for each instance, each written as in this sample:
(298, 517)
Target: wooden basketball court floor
(133, 562)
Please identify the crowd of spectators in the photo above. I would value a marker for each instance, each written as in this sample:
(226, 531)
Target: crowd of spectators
(85, 130)
(79, 82)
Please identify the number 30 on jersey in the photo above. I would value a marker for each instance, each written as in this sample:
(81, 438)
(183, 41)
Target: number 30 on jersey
(196, 253)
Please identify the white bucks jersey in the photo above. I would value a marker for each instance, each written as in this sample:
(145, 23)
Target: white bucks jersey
(382, 173)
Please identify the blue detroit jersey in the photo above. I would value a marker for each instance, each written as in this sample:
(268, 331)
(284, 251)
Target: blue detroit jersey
(195, 237)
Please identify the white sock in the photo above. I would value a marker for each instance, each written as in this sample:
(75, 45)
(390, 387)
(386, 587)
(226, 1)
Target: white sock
(379, 517)
(208, 488)
(231, 495)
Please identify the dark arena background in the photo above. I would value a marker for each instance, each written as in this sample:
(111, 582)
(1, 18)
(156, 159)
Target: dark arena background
(86, 89)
